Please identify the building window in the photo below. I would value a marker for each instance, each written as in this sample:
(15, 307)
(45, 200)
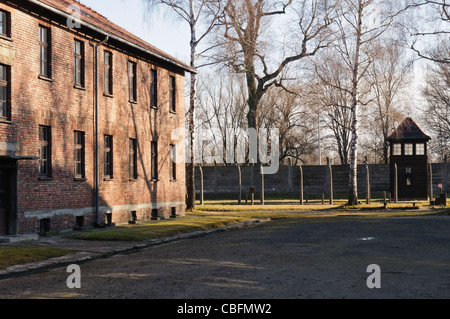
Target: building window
(79, 155)
(409, 149)
(44, 51)
(108, 72)
(108, 157)
(133, 158)
(4, 91)
(44, 151)
(173, 100)
(420, 149)
(173, 163)
(5, 23)
(397, 149)
(79, 63)
(154, 160)
(154, 89)
(132, 81)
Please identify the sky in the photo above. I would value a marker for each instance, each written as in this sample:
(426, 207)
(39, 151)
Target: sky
(162, 30)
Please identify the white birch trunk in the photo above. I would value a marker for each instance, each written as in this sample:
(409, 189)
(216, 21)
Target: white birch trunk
(190, 204)
(353, 174)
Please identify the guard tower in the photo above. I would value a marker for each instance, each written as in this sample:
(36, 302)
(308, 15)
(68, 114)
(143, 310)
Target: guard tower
(409, 151)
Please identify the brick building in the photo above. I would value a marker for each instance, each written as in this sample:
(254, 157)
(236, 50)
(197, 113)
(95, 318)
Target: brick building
(74, 153)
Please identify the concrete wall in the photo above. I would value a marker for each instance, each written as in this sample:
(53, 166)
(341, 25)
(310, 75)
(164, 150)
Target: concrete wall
(224, 180)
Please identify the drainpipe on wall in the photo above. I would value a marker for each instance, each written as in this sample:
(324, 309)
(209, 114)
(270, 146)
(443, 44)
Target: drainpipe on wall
(96, 169)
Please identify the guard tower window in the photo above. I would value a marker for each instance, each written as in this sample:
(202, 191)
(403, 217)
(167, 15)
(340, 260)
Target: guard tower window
(397, 149)
(420, 149)
(409, 149)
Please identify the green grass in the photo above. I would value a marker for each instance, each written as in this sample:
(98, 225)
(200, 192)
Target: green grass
(157, 229)
(294, 206)
(10, 256)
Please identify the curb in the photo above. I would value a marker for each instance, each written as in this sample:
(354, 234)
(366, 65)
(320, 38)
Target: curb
(84, 257)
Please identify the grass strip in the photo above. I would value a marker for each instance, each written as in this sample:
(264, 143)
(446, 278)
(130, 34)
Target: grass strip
(157, 229)
(10, 256)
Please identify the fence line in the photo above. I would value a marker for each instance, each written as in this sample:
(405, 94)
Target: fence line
(306, 181)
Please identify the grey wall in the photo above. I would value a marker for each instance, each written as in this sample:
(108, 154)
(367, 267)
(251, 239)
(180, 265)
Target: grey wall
(224, 180)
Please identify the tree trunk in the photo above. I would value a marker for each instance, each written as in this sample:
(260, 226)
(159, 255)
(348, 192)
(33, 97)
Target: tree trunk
(190, 187)
(353, 175)
(252, 100)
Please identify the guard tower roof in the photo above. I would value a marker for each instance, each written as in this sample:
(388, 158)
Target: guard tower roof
(408, 130)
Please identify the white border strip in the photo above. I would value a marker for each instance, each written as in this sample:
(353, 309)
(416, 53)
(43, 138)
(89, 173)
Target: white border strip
(40, 214)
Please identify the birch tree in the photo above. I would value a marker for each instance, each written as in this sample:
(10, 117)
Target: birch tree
(197, 14)
(359, 24)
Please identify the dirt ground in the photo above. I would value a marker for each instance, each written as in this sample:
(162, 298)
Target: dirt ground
(288, 259)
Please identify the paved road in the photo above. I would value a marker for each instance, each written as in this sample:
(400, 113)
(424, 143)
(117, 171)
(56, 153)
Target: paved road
(290, 259)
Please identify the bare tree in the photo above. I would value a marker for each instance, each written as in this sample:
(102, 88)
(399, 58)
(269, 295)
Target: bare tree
(429, 22)
(197, 13)
(359, 24)
(243, 40)
(288, 112)
(330, 92)
(389, 74)
(221, 109)
(437, 113)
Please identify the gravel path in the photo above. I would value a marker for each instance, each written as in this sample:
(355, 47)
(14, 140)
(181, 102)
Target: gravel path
(289, 259)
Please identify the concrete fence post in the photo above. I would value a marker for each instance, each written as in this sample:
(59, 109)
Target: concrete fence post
(201, 186)
(431, 182)
(368, 196)
(330, 172)
(396, 184)
(301, 185)
(262, 185)
(239, 185)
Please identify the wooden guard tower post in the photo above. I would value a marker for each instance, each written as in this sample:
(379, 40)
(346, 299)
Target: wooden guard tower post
(408, 150)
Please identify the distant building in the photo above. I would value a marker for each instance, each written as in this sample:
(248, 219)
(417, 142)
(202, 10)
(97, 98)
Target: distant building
(87, 112)
(409, 152)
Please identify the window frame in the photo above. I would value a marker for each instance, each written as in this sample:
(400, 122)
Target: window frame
(79, 62)
(132, 81)
(154, 88)
(108, 151)
(5, 23)
(397, 147)
(172, 94)
(5, 84)
(409, 149)
(45, 65)
(173, 162)
(423, 149)
(45, 143)
(80, 149)
(107, 72)
(132, 160)
(154, 160)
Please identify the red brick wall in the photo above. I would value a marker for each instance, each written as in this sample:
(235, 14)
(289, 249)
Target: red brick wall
(58, 104)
